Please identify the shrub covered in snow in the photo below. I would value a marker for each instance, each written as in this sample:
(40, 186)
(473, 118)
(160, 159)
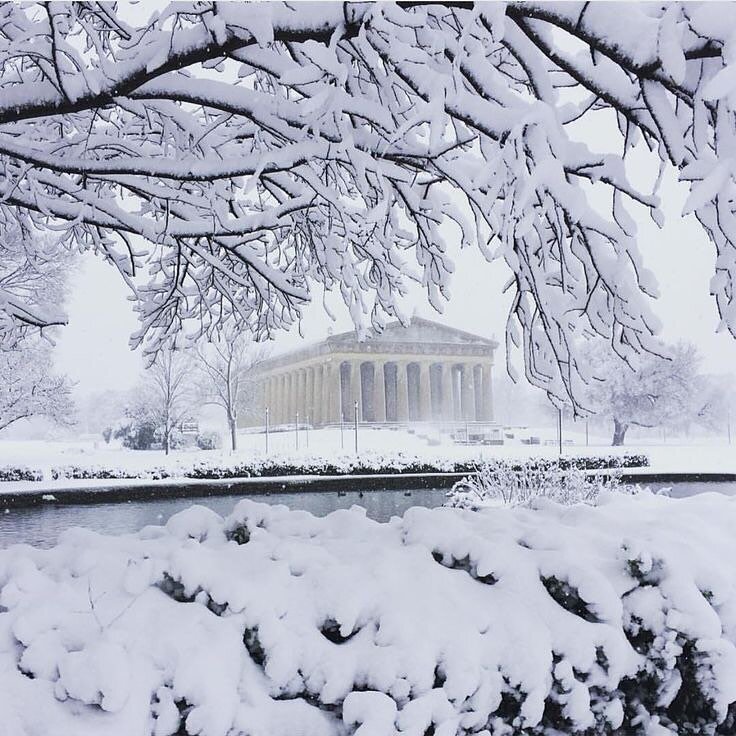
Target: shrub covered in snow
(505, 482)
(11, 473)
(368, 463)
(75, 472)
(209, 440)
(618, 618)
(136, 433)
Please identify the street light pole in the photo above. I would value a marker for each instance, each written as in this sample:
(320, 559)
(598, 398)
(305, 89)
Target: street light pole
(296, 430)
(728, 423)
(559, 428)
(267, 411)
(355, 422)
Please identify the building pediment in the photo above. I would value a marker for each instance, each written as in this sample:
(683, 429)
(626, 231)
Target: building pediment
(420, 331)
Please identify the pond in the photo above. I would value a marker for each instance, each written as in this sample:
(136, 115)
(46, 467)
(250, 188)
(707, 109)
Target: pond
(41, 525)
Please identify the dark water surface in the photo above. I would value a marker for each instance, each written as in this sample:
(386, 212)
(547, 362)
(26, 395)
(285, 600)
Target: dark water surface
(41, 525)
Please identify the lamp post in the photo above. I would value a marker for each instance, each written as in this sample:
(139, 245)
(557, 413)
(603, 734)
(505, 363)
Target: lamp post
(296, 430)
(267, 412)
(728, 423)
(355, 423)
(559, 428)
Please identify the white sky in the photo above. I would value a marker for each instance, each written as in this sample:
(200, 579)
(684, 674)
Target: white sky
(94, 349)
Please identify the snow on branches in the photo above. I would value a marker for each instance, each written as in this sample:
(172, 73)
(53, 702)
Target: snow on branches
(29, 387)
(227, 157)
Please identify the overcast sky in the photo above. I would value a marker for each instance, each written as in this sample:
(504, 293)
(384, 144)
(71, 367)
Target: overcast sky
(94, 347)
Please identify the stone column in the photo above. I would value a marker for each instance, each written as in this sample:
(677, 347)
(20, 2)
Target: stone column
(402, 392)
(466, 394)
(309, 394)
(425, 398)
(278, 402)
(355, 392)
(317, 405)
(448, 413)
(293, 395)
(332, 391)
(379, 392)
(283, 398)
(290, 386)
(487, 383)
(302, 399)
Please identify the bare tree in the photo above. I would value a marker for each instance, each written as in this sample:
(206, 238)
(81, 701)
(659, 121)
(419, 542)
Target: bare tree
(226, 363)
(29, 387)
(248, 151)
(170, 382)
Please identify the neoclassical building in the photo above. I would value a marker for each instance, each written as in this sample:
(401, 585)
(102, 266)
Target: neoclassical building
(424, 372)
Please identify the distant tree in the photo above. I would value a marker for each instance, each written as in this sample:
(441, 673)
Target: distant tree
(654, 391)
(169, 383)
(138, 426)
(29, 387)
(225, 365)
(714, 403)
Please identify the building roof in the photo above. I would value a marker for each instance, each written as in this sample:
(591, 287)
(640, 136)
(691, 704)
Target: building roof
(394, 338)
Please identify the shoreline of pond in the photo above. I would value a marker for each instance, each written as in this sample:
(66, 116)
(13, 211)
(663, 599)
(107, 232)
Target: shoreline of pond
(122, 490)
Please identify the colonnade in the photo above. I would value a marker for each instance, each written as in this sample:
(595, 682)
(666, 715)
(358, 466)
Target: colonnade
(391, 390)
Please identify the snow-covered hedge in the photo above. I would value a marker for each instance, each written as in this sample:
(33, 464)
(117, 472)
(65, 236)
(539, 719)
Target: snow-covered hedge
(371, 463)
(367, 463)
(75, 472)
(614, 619)
(14, 473)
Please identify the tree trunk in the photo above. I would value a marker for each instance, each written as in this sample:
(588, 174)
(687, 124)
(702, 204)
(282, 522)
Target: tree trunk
(619, 432)
(166, 443)
(233, 433)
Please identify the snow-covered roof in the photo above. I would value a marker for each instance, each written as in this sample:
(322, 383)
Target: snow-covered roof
(427, 336)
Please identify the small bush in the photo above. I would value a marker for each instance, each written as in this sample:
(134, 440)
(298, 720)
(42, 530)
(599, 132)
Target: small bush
(511, 484)
(10, 473)
(136, 434)
(209, 440)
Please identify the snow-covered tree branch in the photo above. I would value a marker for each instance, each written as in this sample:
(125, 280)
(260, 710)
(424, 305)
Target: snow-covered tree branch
(29, 387)
(227, 157)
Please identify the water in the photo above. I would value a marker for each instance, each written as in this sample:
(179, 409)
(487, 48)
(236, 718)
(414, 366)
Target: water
(41, 525)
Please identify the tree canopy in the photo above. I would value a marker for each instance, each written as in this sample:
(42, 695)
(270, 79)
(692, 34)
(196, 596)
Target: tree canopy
(29, 387)
(656, 391)
(227, 158)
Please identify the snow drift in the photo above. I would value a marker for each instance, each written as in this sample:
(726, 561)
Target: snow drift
(618, 618)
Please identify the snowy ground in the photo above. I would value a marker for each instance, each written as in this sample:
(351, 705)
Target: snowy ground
(445, 621)
(675, 457)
